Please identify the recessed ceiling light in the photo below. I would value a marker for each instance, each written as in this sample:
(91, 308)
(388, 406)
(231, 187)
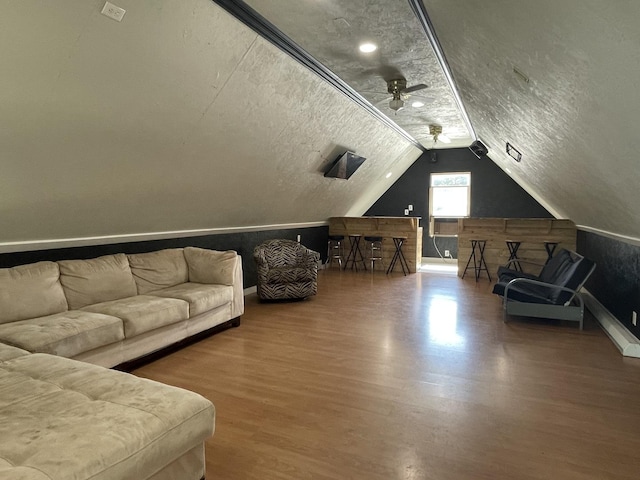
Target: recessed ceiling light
(368, 47)
(388, 175)
(417, 104)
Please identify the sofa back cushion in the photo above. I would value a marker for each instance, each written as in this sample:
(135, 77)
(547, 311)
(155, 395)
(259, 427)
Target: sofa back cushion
(157, 270)
(210, 266)
(86, 282)
(30, 291)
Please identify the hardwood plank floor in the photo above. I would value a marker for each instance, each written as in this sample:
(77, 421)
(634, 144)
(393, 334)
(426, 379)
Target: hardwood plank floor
(404, 378)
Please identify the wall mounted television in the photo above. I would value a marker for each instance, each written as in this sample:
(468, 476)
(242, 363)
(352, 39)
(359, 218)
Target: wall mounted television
(344, 166)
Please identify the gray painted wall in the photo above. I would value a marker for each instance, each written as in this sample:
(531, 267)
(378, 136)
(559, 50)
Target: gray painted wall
(616, 281)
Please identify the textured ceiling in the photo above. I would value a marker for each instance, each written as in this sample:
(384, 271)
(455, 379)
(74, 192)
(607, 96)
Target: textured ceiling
(571, 111)
(332, 30)
(178, 118)
(575, 119)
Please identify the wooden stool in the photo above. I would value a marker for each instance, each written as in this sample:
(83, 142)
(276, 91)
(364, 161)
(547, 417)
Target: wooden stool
(398, 255)
(477, 255)
(355, 254)
(513, 246)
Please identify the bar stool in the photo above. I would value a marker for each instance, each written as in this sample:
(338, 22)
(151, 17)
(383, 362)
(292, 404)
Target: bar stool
(335, 250)
(513, 246)
(374, 249)
(355, 254)
(550, 247)
(398, 255)
(477, 255)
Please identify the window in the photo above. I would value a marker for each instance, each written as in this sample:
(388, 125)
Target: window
(450, 194)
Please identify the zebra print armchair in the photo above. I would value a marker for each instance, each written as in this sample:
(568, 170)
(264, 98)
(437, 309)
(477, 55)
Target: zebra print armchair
(286, 270)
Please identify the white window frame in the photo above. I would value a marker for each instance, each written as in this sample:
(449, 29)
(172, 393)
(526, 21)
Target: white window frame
(431, 193)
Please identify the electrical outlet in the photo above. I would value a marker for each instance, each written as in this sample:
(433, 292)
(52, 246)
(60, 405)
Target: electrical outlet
(406, 211)
(410, 207)
(447, 254)
(634, 318)
(298, 238)
(113, 11)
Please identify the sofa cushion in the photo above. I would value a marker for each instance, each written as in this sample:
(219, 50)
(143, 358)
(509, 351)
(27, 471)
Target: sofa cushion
(210, 266)
(201, 298)
(7, 352)
(66, 334)
(97, 280)
(156, 270)
(143, 313)
(72, 420)
(29, 291)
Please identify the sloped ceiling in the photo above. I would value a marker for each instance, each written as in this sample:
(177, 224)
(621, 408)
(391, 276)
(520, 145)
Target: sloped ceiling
(575, 120)
(180, 117)
(570, 110)
(177, 118)
(331, 32)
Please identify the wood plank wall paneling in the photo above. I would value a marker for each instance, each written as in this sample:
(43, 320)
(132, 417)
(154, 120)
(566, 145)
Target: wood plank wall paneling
(531, 232)
(387, 228)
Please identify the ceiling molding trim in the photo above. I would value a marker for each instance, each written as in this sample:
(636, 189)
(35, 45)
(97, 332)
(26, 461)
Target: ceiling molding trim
(28, 246)
(267, 30)
(615, 236)
(421, 13)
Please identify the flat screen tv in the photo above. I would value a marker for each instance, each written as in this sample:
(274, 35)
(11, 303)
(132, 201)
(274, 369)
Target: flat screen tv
(344, 166)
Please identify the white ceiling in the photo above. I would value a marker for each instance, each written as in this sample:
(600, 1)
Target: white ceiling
(180, 117)
(574, 121)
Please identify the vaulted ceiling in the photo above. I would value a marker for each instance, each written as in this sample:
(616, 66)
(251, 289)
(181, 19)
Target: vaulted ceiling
(557, 80)
(182, 118)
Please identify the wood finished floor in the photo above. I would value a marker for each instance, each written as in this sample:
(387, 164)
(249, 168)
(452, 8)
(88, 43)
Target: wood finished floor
(390, 377)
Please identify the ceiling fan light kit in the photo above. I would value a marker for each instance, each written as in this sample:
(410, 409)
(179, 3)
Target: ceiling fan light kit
(399, 90)
(436, 132)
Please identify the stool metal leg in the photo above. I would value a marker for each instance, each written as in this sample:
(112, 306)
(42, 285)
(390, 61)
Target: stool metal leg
(477, 255)
(472, 256)
(513, 254)
(398, 255)
(550, 247)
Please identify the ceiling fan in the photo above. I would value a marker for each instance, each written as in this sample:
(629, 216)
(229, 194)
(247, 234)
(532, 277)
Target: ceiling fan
(400, 93)
(436, 132)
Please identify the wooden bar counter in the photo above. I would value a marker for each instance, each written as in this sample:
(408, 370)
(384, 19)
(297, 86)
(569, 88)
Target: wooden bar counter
(532, 233)
(387, 228)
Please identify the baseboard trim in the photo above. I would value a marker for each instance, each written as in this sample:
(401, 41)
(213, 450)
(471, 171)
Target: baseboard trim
(250, 290)
(622, 338)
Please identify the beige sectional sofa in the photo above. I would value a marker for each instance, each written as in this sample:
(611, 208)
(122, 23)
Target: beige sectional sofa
(64, 419)
(116, 308)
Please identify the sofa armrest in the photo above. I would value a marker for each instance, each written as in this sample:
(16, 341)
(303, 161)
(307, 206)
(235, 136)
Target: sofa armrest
(237, 306)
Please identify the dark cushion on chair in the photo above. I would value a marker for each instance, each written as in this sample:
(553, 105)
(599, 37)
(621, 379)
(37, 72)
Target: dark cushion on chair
(565, 269)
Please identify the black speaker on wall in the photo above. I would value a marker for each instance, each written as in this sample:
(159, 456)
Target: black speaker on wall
(478, 148)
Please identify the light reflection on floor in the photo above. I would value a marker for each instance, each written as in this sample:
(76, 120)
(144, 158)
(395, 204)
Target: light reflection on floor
(443, 321)
(439, 266)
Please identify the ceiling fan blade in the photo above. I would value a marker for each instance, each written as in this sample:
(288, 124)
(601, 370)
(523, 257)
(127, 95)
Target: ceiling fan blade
(415, 88)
